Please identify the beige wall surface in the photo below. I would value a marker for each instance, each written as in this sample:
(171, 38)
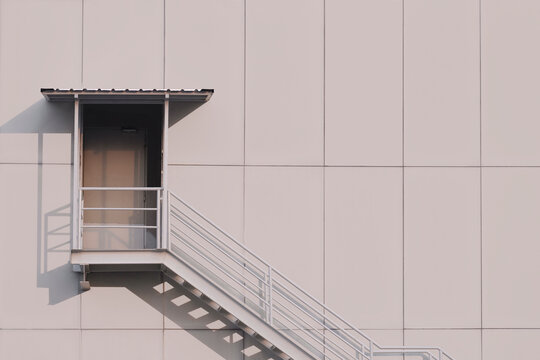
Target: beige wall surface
(383, 154)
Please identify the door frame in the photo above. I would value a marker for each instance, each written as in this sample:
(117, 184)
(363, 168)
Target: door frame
(77, 141)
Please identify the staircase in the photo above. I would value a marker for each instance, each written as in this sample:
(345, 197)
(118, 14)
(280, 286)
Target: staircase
(232, 280)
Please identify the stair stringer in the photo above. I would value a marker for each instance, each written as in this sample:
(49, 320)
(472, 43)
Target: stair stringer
(180, 272)
(233, 306)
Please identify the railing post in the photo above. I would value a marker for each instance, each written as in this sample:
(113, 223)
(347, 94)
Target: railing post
(269, 295)
(75, 201)
(159, 245)
(165, 220)
(80, 221)
(164, 172)
(370, 349)
(168, 215)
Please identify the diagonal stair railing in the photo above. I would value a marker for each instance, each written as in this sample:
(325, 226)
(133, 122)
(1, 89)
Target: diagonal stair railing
(269, 294)
(108, 220)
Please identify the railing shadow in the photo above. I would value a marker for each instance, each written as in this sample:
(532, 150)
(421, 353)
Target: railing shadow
(53, 240)
(178, 111)
(56, 242)
(190, 314)
(53, 227)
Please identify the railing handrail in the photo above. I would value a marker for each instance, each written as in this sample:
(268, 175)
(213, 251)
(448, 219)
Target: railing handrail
(120, 188)
(219, 229)
(81, 209)
(352, 327)
(269, 278)
(349, 326)
(224, 252)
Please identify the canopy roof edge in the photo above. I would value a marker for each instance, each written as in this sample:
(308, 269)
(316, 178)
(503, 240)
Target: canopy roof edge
(126, 95)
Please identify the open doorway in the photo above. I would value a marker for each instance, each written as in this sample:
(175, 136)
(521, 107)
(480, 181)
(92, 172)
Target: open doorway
(121, 148)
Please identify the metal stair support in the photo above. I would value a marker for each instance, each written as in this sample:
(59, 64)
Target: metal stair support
(231, 279)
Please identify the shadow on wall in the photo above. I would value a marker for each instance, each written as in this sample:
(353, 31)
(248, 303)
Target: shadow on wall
(53, 226)
(179, 110)
(53, 230)
(189, 313)
(54, 233)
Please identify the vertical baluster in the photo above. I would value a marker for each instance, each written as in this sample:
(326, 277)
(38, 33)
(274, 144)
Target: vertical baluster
(75, 202)
(262, 294)
(269, 296)
(165, 166)
(168, 227)
(80, 220)
(159, 245)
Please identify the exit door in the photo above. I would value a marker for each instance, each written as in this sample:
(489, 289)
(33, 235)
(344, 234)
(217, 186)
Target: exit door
(115, 156)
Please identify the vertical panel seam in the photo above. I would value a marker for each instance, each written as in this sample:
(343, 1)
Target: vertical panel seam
(324, 155)
(80, 327)
(164, 39)
(244, 151)
(244, 356)
(481, 181)
(403, 166)
(244, 134)
(244, 84)
(243, 352)
(82, 43)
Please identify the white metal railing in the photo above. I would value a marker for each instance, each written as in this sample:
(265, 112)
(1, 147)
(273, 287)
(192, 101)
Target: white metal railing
(243, 275)
(269, 294)
(140, 202)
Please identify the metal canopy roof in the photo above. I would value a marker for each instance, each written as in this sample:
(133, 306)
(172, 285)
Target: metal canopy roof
(127, 95)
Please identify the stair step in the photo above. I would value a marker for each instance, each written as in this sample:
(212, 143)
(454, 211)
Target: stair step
(231, 318)
(249, 331)
(214, 305)
(188, 286)
(264, 342)
(240, 324)
(227, 315)
(176, 278)
(225, 312)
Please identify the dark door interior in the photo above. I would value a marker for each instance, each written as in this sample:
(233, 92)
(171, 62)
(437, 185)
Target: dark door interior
(121, 148)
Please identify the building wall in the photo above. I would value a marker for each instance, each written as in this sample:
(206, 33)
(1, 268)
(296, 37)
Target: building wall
(393, 144)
